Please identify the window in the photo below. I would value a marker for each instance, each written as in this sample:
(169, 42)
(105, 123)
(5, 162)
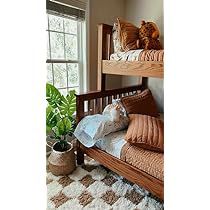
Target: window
(64, 53)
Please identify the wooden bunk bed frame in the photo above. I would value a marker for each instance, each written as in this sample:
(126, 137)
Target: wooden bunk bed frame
(129, 68)
(94, 102)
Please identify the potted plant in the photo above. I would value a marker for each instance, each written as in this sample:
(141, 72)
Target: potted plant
(60, 124)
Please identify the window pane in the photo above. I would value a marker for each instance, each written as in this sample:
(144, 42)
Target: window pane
(70, 26)
(57, 45)
(63, 91)
(60, 75)
(49, 73)
(48, 50)
(73, 74)
(55, 23)
(71, 47)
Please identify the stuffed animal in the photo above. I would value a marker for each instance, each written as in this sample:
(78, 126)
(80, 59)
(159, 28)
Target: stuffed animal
(148, 35)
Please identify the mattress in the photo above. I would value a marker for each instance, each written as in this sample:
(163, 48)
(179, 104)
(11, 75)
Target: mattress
(138, 55)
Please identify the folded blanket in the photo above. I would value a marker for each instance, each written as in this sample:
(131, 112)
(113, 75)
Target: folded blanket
(145, 160)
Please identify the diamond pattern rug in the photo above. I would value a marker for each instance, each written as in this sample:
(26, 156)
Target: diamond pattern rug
(92, 186)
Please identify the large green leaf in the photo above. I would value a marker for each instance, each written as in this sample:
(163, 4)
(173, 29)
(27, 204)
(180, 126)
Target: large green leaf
(53, 95)
(68, 104)
(52, 118)
(63, 127)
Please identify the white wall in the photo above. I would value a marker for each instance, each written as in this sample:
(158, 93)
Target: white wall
(102, 11)
(149, 10)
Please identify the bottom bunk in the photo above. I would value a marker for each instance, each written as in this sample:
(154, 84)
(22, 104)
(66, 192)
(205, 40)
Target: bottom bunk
(140, 166)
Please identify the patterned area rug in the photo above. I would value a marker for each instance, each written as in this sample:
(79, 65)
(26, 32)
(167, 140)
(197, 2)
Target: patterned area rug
(92, 186)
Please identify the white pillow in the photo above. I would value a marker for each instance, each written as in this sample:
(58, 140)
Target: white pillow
(94, 127)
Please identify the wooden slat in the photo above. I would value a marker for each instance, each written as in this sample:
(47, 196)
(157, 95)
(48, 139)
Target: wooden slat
(133, 68)
(98, 106)
(124, 169)
(94, 106)
(88, 107)
(109, 99)
(103, 102)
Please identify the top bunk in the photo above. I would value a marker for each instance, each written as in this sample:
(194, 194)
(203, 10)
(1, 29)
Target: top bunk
(149, 64)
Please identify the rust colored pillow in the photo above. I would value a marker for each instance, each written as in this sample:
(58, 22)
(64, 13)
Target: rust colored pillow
(146, 132)
(129, 35)
(140, 103)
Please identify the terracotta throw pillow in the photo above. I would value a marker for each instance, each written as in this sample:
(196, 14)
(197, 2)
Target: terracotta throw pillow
(141, 103)
(129, 35)
(146, 132)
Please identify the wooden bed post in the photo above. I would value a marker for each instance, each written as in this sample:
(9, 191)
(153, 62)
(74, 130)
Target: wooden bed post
(79, 116)
(104, 51)
(144, 82)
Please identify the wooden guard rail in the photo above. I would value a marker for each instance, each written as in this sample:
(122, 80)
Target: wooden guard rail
(94, 102)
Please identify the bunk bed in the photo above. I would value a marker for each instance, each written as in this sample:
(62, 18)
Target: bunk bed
(131, 68)
(94, 102)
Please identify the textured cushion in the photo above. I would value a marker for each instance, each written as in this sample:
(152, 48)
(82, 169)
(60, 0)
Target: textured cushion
(146, 132)
(94, 127)
(148, 161)
(129, 35)
(141, 103)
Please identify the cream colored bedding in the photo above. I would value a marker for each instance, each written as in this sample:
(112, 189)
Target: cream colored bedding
(138, 55)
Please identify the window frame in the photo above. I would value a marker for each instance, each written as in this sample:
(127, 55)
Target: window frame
(80, 56)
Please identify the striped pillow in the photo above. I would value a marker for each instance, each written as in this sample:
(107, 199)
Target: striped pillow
(146, 132)
(128, 35)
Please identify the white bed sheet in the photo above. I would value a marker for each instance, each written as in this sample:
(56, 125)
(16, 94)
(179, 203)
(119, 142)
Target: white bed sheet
(131, 55)
(112, 143)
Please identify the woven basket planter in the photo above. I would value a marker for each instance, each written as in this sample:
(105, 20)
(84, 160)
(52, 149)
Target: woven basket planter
(62, 163)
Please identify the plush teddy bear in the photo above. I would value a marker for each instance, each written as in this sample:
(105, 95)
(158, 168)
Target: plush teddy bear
(149, 36)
